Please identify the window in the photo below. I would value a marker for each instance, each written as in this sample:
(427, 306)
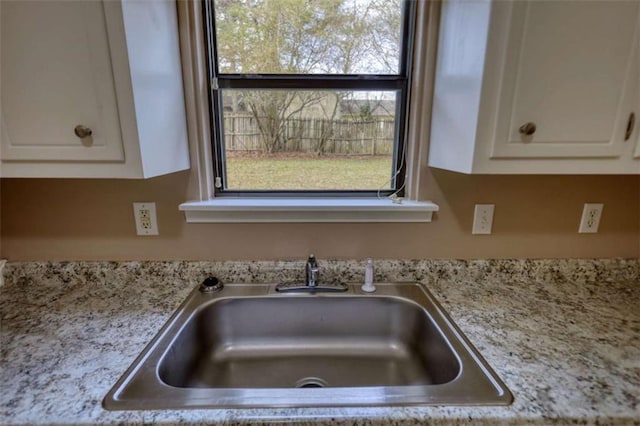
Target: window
(228, 81)
(309, 97)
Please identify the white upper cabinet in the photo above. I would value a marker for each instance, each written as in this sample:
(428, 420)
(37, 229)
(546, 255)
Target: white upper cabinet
(91, 89)
(537, 87)
(41, 55)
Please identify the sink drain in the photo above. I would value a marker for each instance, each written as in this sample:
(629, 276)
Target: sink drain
(311, 382)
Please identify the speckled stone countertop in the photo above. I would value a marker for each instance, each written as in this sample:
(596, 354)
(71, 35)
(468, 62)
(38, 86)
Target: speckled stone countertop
(564, 335)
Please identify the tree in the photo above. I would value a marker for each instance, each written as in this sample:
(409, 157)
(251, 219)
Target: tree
(273, 110)
(276, 36)
(385, 40)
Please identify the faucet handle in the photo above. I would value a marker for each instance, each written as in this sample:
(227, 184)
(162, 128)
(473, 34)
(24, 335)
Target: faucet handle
(312, 263)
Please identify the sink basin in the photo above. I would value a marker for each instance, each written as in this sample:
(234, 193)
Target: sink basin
(249, 346)
(285, 342)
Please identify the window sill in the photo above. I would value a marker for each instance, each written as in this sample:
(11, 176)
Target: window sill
(246, 210)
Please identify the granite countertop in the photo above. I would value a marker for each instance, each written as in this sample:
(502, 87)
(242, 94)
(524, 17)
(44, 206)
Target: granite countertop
(564, 335)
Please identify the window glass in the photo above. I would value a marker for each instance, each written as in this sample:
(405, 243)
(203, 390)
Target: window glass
(308, 37)
(309, 96)
(308, 140)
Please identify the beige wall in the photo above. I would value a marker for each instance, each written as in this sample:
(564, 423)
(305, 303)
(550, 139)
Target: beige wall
(535, 217)
(1, 220)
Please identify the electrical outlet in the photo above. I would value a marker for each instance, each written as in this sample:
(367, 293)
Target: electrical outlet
(591, 214)
(483, 219)
(145, 217)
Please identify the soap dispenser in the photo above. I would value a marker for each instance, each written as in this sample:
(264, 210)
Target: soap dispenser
(368, 286)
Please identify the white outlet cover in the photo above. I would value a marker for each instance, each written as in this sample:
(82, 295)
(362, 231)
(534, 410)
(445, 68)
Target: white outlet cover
(590, 221)
(138, 209)
(483, 219)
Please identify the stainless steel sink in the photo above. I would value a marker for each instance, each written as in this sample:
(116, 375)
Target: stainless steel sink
(249, 346)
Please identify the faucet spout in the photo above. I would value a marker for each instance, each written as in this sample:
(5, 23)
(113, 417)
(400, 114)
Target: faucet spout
(311, 284)
(312, 272)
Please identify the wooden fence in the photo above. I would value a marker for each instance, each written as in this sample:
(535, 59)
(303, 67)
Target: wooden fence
(348, 137)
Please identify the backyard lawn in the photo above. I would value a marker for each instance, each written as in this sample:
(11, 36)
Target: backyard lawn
(285, 171)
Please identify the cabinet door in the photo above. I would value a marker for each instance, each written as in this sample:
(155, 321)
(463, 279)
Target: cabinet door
(568, 70)
(56, 74)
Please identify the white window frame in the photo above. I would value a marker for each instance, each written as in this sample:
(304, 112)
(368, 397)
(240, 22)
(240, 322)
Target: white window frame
(205, 208)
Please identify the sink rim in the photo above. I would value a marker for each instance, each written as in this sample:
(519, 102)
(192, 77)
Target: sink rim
(145, 368)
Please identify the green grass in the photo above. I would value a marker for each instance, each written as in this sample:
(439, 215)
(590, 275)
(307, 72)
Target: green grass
(288, 172)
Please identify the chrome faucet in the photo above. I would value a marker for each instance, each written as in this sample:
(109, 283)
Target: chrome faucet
(312, 272)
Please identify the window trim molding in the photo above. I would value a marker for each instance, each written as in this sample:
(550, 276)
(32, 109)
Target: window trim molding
(399, 82)
(425, 46)
(234, 210)
(206, 209)
(196, 86)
